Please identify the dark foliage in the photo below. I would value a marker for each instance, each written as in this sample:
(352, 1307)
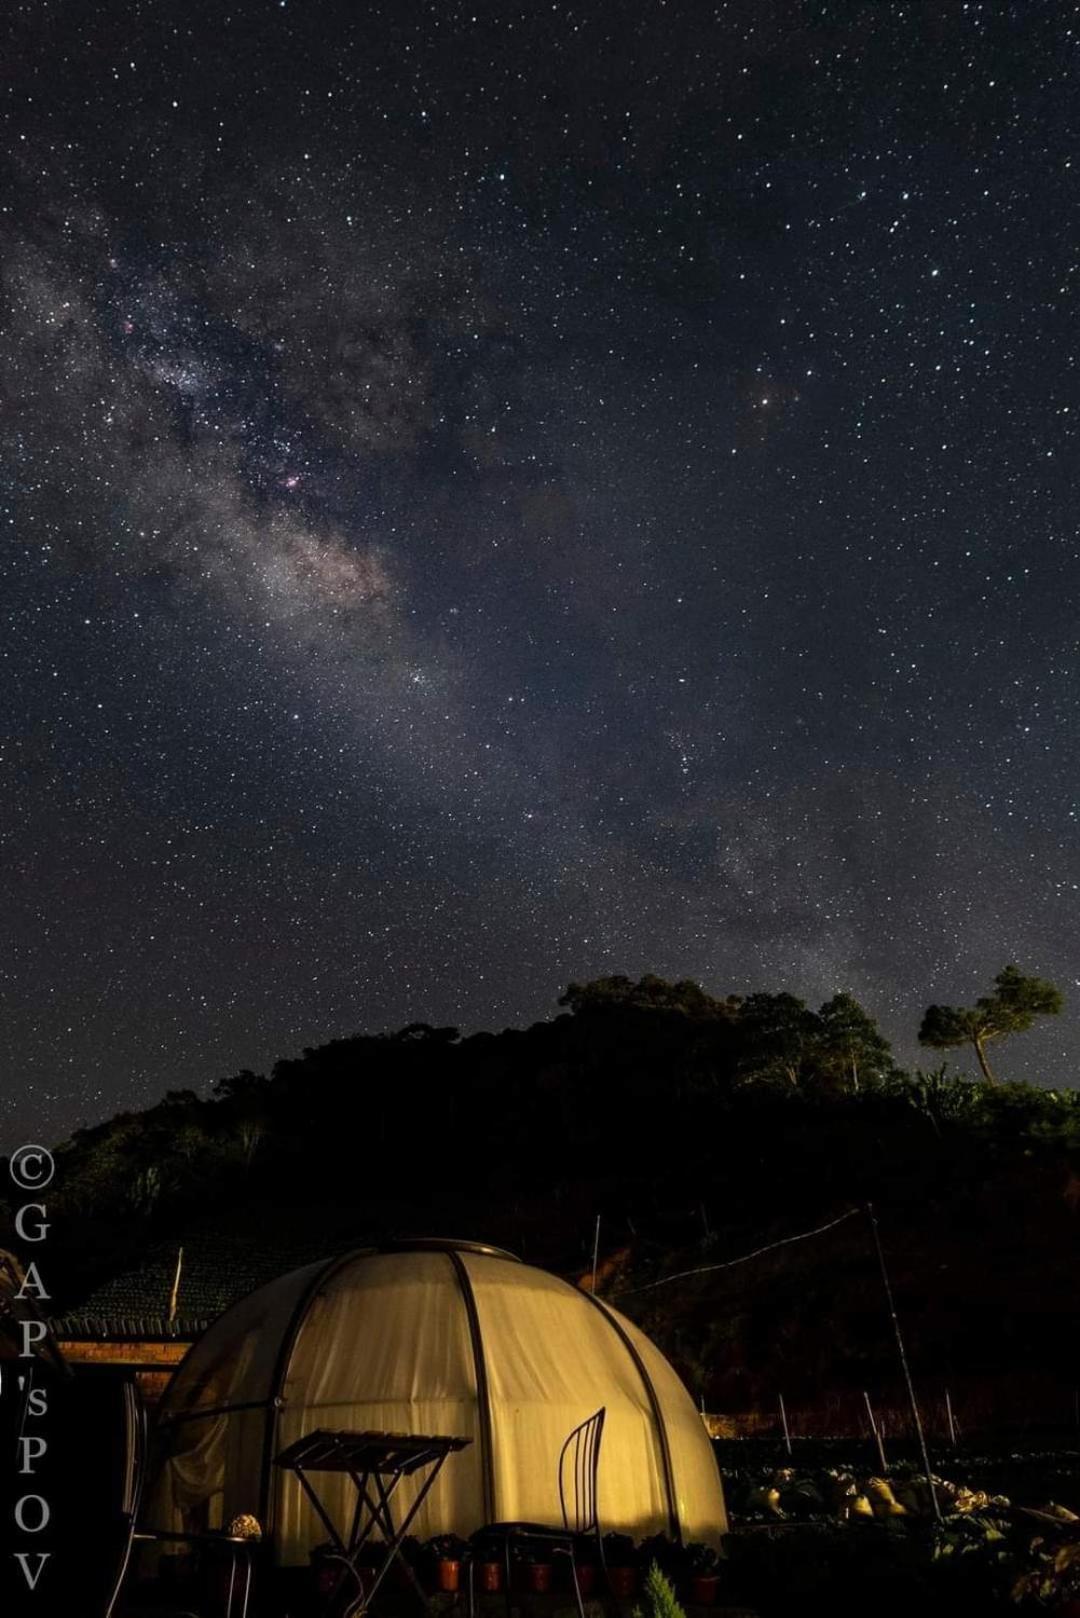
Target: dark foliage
(696, 1128)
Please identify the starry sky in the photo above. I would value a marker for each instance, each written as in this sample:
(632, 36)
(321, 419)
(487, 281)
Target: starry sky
(498, 494)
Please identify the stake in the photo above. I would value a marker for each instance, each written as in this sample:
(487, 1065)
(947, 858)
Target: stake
(174, 1295)
(783, 1418)
(916, 1418)
(595, 1254)
(877, 1435)
(949, 1417)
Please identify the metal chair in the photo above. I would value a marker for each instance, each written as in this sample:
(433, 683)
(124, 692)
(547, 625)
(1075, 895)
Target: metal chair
(579, 1461)
(241, 1566)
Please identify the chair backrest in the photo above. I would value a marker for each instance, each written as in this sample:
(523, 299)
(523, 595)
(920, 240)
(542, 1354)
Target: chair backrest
(579, 1460)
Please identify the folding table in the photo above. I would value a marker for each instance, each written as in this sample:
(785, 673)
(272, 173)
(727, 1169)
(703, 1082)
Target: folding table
(376, 1463)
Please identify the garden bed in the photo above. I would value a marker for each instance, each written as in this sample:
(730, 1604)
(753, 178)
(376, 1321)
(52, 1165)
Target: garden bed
(827, 1529)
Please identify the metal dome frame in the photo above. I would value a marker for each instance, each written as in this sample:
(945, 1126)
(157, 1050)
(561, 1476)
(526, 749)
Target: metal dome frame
(452, 1249)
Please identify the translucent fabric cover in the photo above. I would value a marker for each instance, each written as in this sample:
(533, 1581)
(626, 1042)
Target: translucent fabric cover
(235, 1361)
(699, 1494)
(384, 1347)
(386, 1344)
(552, 1360)
(204, 1460)
(210, 1472)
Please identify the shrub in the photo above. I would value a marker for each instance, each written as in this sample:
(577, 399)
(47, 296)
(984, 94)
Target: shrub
(660, 1598)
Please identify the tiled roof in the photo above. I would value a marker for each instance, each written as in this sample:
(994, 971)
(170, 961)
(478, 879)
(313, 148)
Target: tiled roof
(217, 1269)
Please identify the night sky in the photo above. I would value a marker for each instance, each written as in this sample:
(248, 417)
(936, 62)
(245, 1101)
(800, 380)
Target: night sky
(497, 495)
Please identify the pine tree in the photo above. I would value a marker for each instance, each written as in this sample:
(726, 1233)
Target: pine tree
(1011, 1009)
(660, 1598)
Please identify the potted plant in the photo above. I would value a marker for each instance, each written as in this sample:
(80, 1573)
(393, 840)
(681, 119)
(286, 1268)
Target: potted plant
(486, 1556)
(586, 1565)
(408, 1557)
(447, 1552)
(330, 1573)
(669, 1556)
(535, 1564)
(621, 1562)
(704, 1579)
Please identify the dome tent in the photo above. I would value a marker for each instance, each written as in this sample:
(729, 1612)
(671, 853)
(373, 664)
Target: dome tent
(431, 1337)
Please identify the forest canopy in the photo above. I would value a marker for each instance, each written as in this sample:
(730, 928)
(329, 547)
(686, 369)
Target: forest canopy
(689, 1124)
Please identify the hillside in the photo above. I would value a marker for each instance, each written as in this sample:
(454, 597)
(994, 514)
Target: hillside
(672, 1117)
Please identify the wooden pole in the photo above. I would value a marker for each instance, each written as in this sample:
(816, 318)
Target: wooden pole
(784, 1423)
(902, 1353)
(950, 1418)
(174, 1295)
(876, 1432)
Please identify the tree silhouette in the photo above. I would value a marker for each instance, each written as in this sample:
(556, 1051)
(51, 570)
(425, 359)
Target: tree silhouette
(649, 993)
(779, 1036)
(1011, 1009)
(655, 1104)
(851, 1049)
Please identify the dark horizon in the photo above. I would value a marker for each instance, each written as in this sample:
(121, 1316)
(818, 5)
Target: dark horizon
(1018, 1056)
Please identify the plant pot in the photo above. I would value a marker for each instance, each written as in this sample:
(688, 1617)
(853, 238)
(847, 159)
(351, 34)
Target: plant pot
(325, 1575)
(623, 1582)
(331, 1574)
(448, 1576)
(703, 1589)
(538, 1577)
(489, 1577)
(586, 1578)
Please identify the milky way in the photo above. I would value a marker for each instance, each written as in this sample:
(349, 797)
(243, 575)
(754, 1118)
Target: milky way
(499, 496)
